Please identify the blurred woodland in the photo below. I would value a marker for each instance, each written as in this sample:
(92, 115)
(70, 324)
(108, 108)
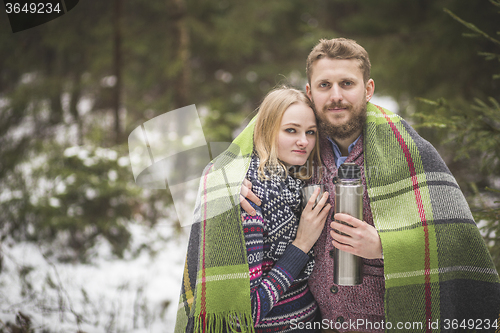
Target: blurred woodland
(72, 90)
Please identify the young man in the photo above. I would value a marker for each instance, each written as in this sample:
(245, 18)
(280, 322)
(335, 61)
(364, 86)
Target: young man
(436, 272)
(338, 73)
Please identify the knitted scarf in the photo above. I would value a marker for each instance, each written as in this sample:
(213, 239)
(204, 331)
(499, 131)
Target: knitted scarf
(438, 271)
(281, 199)
(215, 292)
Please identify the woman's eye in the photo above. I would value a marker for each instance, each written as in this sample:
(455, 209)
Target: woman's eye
(311, 132)
(290, 130)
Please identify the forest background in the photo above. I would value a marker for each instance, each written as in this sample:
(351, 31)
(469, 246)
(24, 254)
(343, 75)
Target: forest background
(73, 89)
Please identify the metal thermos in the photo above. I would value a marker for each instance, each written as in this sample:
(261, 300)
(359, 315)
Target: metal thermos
(349, 200)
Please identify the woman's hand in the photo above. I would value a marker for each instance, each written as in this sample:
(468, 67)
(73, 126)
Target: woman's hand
(312, 222)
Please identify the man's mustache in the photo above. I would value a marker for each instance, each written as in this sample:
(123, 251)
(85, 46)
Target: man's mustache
(348, 106)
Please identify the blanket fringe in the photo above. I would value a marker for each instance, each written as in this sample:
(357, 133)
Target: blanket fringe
(215, 322)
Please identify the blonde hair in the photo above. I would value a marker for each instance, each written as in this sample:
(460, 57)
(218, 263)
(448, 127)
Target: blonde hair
(339, 48)
(265, 136)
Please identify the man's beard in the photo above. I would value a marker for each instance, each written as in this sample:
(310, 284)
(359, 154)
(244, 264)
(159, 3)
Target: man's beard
(346, 130)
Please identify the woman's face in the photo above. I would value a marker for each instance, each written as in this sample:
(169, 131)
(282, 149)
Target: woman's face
(297, 134)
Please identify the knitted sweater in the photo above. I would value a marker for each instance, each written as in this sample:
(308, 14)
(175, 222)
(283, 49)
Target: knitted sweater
(343, 305)
(280, 297)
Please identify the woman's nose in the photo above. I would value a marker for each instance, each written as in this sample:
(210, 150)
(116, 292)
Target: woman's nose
(303, 141)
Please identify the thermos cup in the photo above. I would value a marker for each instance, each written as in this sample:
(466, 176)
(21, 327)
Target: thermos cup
(307, 192)
(348, 200)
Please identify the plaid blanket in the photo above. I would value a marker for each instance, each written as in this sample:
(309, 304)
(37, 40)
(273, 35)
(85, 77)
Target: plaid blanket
(215, 292)
(438, 271)
(439, 275)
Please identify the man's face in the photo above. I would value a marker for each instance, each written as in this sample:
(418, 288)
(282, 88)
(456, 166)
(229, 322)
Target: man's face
(340, 96)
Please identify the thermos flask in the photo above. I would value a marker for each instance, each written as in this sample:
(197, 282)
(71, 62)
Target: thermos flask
(349, 200)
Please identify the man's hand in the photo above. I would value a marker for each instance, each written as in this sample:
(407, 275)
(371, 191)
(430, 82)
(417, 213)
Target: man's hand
(246, 192)
(361, 239)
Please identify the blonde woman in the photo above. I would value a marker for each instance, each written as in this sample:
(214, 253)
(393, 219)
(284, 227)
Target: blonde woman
(276, 240)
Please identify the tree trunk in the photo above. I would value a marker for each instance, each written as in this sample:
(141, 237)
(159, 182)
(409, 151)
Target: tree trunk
(182, 79)
(73, 106)
(117, 64)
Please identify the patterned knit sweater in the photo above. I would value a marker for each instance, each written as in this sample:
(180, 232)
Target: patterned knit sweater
(280, 297)
(342, 306)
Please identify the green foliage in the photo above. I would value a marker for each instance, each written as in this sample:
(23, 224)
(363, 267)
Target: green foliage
(73, 197)
(475, 129)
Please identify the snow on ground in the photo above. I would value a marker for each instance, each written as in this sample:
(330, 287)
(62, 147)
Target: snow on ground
(137, 294)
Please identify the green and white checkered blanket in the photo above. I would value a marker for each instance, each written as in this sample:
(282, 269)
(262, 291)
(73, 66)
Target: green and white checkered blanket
(215, 294)
(436, 264)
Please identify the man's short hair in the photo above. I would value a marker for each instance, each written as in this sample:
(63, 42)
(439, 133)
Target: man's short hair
(339, 48)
